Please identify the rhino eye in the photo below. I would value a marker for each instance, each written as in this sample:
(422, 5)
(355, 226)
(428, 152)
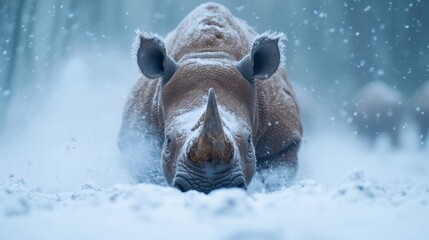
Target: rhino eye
(167, 145)
(249, 144)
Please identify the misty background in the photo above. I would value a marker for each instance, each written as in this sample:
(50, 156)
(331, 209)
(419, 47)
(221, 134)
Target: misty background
(66, 70)
(333, 47)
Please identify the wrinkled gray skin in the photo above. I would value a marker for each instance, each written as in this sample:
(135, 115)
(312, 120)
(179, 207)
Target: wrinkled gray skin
(421, 112)
(377, 109)
(216, 100)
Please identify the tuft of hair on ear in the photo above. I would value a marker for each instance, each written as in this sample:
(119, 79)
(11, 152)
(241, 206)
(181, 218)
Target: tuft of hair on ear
(144, 35)
(274, 35)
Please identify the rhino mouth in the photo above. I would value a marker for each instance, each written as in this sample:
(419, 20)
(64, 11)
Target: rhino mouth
(190, 177)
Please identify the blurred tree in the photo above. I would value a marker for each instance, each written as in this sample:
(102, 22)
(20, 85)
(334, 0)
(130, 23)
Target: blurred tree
(13, 41)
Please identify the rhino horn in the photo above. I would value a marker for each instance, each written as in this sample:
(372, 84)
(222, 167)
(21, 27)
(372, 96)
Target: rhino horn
(212, 146)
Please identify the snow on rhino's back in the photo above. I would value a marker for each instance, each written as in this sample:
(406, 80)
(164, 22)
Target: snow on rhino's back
(208, 28)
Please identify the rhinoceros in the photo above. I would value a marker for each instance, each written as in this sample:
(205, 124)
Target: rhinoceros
(421, 113)
(215, 98)
(377, 109)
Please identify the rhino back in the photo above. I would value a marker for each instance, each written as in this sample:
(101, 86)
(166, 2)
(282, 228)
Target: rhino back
(210, 28)
(377, 107)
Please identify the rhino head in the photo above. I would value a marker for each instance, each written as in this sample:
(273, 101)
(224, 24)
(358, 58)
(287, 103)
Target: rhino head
(209, 108)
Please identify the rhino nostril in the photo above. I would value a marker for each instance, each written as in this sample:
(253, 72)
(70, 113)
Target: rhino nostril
(180, 187)
(242, 185)
(182, 184)
(239, 183)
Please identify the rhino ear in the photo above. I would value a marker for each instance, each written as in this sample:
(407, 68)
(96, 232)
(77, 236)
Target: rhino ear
(264, 58)
(152, 58)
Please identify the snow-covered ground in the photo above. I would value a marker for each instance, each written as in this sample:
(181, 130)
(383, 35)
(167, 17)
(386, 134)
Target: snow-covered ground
(61, 178)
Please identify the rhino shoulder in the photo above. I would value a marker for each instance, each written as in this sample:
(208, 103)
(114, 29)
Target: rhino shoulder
(279, 124)
(142, 113)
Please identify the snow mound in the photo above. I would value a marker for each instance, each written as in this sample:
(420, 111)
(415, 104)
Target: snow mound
(306, 210)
